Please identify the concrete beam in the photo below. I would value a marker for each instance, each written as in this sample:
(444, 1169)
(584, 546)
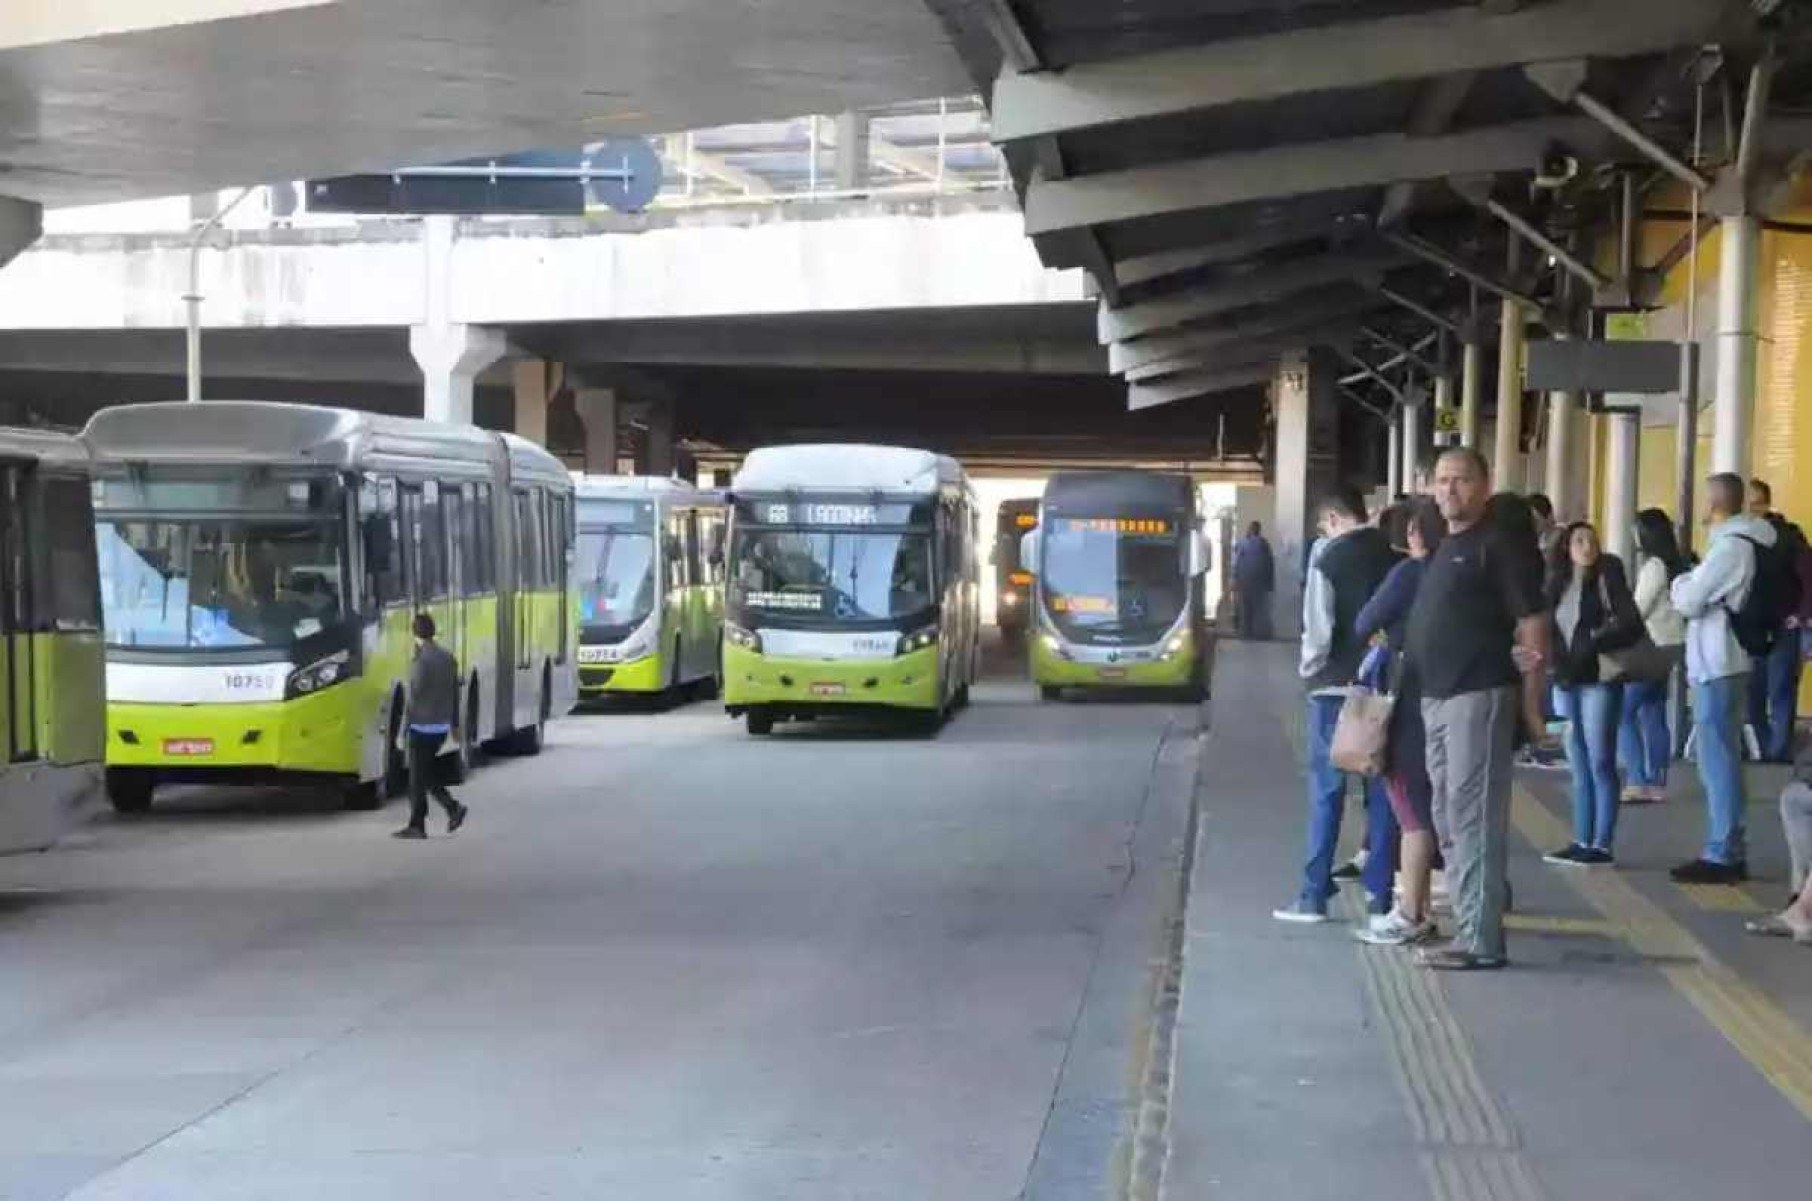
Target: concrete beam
(1281, 172)
(1195, 384)
(1010, 35)
(1435, 110)
(1148, 268)
(43, 22)
(21, 224)
(696, 164)
(1146, 317)
(1298, 319)
(1235, 358)
(1352, 54)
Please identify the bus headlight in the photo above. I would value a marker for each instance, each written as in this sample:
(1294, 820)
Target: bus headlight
(747, 640)
(918, 640)
(1054, 645)
(1009, 600)
(1176, 647)
(636, 646)
(322, 673)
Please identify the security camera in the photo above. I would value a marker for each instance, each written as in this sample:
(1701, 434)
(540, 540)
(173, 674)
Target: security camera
(1557, 168)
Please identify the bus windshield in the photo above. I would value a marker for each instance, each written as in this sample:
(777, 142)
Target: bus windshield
(615, 573)
(1115, 580)
(226, 584)
(807, 577)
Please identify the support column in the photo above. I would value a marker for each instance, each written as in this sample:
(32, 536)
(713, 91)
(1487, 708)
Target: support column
(852, 152)
(1507, 450)
(1305, 404)
(451, 358)
(1562, 489)
(597, 408)
(1412, 445)
(1733, 404)
(657, 457)
(21, 223)
(1393, 457)
(1472, 369)
(1624, 431)
(537, 381)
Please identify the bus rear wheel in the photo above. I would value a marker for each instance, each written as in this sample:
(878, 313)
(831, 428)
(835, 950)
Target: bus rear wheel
(760, 724)
(129, 789)
(1050, 692)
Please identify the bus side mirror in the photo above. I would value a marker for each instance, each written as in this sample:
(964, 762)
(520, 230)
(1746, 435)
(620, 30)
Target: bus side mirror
(1030, 547)
(1201, 554)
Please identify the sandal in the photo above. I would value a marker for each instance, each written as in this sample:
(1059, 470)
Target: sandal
(1776, 925)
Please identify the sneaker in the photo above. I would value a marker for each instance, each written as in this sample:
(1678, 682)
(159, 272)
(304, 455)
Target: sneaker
(457, 818)
(1394, 930)
(412, 833)
(1452, 959)
(1350, 870)
(1573, 855)
(1710, 871)
(1301, 913)
(1598, 857)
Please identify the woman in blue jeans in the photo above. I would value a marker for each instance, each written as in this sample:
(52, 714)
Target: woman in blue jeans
(1593, 614)
(1645, 745)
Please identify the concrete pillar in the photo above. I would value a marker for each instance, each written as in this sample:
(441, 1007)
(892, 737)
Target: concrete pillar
(1562, 488)
(852, 151)
(1393, 455)
(657, 457)
(1624, 430)
(1472, 368)
(1305, 403)
(1412, 445)
(1733, 403)
(451, 358)
(21, 222)
(597, 408)
(536, 381)
(1444, 401)
(1507, 452)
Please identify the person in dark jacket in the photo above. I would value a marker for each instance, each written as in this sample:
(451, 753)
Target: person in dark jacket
(1774, 681)
(1254, 577)
(433, 718)
(1591, 614)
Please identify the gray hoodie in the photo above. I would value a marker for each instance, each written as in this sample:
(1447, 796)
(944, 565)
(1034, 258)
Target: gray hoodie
(1710, 592)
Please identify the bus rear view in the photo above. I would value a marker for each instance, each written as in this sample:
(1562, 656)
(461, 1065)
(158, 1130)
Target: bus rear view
(1012, 582)
(1119, 558)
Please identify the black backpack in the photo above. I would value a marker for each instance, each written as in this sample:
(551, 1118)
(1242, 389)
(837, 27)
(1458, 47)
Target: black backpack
(1773, 593)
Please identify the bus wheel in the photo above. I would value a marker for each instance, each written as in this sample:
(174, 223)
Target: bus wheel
(760, 722)
(129, 789)
(928, 723)
(1050, 693)
(529, 740)
(363, 796)
(466, 752)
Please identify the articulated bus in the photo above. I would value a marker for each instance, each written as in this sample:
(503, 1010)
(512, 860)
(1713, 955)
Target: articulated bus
(1120, 558)
(853, 584)
(52, 721)
(650, 583)
(1012, 581)
(260, 566)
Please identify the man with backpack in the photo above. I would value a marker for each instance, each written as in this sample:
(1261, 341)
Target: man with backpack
(1774, 684)
(1729, 601)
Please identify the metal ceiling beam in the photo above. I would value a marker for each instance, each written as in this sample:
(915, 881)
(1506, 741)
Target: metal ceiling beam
(1298, 320)
(1538, 238)
(1248, 357)
(1407, 354)
(700, 164)
(1010, 35)
(1434, 113)
(1147, 268)
(1431, 253)
(1226, 355)
(1564, 79)
(1421, 310)
(1195, 384)
(1280, 172)
(1352, 54)
(1374, 374)
(1262, 287)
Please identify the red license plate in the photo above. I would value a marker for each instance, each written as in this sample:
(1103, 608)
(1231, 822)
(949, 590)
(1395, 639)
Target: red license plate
(188, 747)
(828, 689)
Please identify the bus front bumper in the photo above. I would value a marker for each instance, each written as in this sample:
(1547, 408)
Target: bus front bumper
(753, 680)
(637, 675)
(1050, 669)
(320, 733)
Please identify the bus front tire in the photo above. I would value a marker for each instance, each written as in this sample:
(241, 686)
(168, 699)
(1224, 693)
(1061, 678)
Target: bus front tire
(1050, 692)
(760, 724)
(129, 789)
(363, 796)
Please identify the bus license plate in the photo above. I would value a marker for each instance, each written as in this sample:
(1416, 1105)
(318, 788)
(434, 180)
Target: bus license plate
(828, 689)
(1113, 673)
(188, 747)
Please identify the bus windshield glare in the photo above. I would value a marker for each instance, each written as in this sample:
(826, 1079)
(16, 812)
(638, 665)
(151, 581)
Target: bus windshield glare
(615, 576)
(1122, 579)
(807, 577)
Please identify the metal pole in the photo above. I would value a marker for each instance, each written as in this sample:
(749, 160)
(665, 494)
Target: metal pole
(1412, 442)
(1733, 402)
(943, 139)
(1393, 463)
(1560, 254)
(1625, 429)
(1472, 372)
(1506, 454)
(192, 300)
(812, 164)
(1608, 117)
(1686, 431)
(1561, 407)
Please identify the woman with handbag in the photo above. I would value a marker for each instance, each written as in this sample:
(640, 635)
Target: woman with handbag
(1594, 616)
(1645, 745)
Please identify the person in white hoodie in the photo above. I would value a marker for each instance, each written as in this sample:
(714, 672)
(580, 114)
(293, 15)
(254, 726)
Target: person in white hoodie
(1718, 668)
(1645, 744)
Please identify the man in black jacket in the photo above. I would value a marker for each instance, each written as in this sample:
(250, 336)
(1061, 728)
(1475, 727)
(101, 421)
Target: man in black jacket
(1346, 566)
(433, 717)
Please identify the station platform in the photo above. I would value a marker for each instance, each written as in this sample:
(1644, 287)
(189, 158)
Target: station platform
(1639, 1045)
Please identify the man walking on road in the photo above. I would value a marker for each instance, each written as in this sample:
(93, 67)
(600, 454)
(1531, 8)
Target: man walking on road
(1480, 602)
(433, 717)
(1254, 576)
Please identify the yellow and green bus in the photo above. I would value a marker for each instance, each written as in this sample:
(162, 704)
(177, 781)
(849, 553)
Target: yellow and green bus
(1119, 559)
(1012, 582)
(259, 566)
(649, 575)
(853, 585)
(52, 725)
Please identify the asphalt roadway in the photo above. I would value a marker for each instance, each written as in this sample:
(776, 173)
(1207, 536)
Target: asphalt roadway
(664, 960)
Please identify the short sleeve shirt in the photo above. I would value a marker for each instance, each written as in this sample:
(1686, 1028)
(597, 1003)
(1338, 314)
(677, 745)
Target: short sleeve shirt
(1463, 626)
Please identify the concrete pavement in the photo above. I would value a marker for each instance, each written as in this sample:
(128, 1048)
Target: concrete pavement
(664, 960)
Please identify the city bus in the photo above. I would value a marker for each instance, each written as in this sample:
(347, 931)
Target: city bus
(853, 584)
(260, 565)
(649, 575)
(1120, 559)
(52, 710)
(1012, 582)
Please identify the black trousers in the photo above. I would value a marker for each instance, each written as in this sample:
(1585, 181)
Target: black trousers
(424, 778)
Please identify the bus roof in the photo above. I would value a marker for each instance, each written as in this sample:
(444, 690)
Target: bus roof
(43, 446)
(837, 468)
(275, 434)
(642, 487)
(1105, 491)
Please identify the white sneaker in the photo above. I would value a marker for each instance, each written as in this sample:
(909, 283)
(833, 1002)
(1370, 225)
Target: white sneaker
(1394, 930)
(1301, 913)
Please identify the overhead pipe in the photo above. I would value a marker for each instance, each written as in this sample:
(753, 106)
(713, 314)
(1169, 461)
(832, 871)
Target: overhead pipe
(1541, 241)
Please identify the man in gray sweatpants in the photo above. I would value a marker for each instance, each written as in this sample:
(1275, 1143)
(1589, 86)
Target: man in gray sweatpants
(1480, 601)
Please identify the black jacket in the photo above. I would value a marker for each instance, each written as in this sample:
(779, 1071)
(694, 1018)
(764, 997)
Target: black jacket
(434, 687)
(1354, 565)
(1608, 620)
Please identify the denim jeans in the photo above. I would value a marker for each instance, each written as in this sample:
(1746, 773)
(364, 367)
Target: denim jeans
(1645, 746)
(1773, 697)
(1327, 799)
(1717, 717)
(1592, 712)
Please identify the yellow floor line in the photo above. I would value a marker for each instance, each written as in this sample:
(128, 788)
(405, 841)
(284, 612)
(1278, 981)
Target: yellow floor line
(1536, 923)
(1721, 898)
(1761, 1031)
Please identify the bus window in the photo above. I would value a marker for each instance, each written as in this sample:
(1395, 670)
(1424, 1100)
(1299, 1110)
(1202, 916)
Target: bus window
(486, 539)
(471, 553)
(528, 552)
(453, 522)
(695, 567)
(382, 542)
(19, 738)
(70, 596)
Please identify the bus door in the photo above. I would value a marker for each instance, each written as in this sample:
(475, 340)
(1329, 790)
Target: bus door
(527, 554)
(562, 546)
(18, 710)
(452, 521)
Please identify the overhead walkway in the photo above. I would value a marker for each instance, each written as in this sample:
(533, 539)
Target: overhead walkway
(1641, 1045)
